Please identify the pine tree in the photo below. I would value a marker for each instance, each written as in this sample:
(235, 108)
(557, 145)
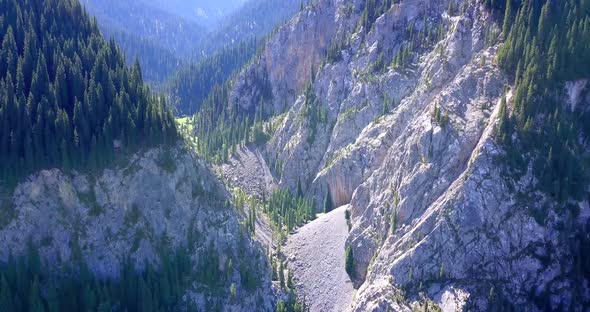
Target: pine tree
(349, 262)
(6, 299)
(35, 304)
(59, 88)
(507, 18)
(328, 206)
(281, 274)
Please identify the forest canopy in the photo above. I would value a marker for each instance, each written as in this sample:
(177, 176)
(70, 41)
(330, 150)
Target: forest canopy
(66, 93)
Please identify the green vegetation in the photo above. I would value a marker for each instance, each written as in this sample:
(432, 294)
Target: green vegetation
(168, 37)
(439, 118)
(328, 204)
(66, 93)
(293, 303)
(190, 86)
(166, 161)
(251, 21)
(221, 126)
(374, 9)
(26, 285)
(287, 211)
(314, 113)
(349, 262)
(162, 40)
(545, 46)
(334, 53)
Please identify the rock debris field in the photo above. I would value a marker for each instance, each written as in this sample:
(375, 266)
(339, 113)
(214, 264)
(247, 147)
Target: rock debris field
(315, 254)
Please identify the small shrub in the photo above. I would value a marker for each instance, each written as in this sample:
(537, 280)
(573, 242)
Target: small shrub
(349, 262)
(166, 161)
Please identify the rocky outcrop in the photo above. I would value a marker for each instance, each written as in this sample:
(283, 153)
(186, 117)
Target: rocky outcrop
(161, 195)
(289, 58)
(408, 141)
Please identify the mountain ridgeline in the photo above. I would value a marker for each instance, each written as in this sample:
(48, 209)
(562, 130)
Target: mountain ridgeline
(161, 39)
(447, 126)
(190, 86)
(171, 36)
(446, 142)
(66, 94)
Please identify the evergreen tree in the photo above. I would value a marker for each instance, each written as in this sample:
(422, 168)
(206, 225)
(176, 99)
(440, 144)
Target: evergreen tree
(328, 206)
(281, 274)
(349, 262)
(6, 299)
(61, 91)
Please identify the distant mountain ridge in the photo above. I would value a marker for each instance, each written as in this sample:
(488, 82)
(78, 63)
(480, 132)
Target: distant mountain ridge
(207, 13)
(168, 35)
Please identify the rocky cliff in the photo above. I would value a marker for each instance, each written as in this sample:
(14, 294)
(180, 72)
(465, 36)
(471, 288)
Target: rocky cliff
(395, 115)
(155, 198)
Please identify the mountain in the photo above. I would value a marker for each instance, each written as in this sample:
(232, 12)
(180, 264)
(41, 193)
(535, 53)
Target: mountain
(230, 47)
(191, 85)
(169, 36)
(255, 18)
(102, 205)
(458, 144)
(68, 94)
(155, 231)
(161, 39)
(366, 155)
(207, 13)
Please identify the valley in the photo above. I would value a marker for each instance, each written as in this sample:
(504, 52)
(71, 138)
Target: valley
(266, 155)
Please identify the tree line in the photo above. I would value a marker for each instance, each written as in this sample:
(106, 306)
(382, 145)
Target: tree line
(545, 46)
(27, 285)
(190, 86)
(66, 94)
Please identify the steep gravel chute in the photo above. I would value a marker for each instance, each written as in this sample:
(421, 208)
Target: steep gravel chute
(315, 254)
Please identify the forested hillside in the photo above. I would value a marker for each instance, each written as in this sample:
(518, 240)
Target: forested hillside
(136, 226)
(190, 86)
(206, 12)
(161, 39)
(256, 18)
(447, 126)
(546, 44)
(66, 93)
(231, 45)
(158, 61)
(178, 54)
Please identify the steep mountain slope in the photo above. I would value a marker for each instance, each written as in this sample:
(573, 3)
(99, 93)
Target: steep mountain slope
(206, 12)
(315, 253)
(254, 19)
(191, 85)
(397, 107)
(102, 207)
(226, 49)
(160, 38)
(189, 37)
(157, 201)
(67, 94)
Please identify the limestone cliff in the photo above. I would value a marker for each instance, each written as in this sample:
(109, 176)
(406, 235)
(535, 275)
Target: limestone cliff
(156, 197)
(405, 135)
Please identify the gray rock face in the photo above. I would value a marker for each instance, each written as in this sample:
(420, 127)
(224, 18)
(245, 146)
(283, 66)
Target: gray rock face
(127, 212)
(410, 147)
